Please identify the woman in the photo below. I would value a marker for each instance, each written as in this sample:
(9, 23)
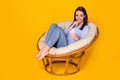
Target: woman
(58, 37)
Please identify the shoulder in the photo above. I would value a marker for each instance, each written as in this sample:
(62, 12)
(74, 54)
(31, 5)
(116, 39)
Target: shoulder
(86, 27)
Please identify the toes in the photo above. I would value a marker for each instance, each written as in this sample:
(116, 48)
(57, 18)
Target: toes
(42, 55)
(38, 55)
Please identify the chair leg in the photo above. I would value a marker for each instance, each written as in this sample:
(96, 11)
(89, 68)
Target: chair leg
(66, 67)
(78, 65)
(50, 61)
(44, 63)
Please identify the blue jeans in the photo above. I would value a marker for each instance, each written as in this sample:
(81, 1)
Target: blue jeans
(55, 37)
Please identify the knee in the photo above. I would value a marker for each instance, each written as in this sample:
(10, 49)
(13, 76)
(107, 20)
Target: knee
(60, 29)
(54, 25)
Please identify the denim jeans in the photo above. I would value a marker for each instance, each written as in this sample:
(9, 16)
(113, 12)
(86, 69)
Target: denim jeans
(55, 37)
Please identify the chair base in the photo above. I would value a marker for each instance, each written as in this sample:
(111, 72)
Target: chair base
(68, 61)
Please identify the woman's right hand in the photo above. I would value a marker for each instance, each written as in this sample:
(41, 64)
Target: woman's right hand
(75, 23)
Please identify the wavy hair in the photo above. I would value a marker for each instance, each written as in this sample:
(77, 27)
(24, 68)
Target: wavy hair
(80, 8)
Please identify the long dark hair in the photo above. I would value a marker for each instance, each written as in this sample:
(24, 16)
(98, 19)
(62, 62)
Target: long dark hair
(80, 8)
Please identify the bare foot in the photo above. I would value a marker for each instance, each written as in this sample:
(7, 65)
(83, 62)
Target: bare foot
(41, 50)
(43, 53)
(38, 55)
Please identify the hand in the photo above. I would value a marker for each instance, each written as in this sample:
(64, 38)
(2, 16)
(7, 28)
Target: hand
(74, 36)
(76, 23)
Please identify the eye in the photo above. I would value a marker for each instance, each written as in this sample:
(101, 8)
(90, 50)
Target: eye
(77, 15)
(81, 15)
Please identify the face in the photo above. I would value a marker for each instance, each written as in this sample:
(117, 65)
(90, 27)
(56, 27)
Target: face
(80, 16)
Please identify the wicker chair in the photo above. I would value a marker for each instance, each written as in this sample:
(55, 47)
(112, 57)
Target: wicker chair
(68, 55)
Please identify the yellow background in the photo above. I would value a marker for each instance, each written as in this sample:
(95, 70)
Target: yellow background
(23, 21)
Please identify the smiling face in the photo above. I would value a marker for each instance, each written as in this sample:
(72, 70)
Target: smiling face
(79, 16)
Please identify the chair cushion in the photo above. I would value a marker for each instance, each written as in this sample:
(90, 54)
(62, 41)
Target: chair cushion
(74, 46)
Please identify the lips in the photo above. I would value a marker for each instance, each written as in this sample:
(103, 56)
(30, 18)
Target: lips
(78, 20)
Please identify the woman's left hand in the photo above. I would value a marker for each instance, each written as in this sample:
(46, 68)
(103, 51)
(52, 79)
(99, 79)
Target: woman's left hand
(74, 36)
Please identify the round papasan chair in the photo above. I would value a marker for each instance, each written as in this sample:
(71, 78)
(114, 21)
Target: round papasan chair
(68, 53)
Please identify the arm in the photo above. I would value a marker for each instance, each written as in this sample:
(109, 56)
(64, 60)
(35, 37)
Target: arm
(85, 31)
(73, 25)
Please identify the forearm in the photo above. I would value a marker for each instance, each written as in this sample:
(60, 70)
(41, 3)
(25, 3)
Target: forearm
(75, 37)
(71, 27)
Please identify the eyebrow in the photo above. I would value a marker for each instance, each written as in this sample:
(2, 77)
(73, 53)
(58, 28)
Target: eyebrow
(80, 14)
